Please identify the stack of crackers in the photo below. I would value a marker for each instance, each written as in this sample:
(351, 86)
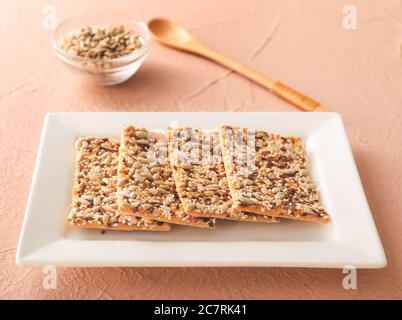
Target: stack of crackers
(151, 181)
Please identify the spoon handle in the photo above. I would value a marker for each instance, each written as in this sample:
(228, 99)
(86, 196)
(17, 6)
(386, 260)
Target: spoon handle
(283, 91)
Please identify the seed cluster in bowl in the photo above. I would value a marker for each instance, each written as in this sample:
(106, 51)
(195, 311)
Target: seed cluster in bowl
(101, 42)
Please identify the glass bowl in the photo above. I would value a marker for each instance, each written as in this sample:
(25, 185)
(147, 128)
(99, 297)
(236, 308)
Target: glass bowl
(103, 72)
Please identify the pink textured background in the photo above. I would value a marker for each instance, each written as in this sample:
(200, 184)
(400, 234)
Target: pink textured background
(357, 73)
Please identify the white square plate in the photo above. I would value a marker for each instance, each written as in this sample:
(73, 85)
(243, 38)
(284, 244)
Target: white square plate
(350, 238)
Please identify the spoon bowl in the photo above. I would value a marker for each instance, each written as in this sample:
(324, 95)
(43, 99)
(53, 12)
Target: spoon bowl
(170, 34)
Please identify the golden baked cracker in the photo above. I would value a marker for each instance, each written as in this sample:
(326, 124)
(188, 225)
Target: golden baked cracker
(268, 174)
(94, 202)
(146, 186)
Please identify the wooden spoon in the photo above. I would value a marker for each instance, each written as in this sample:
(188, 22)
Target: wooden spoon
(172, 35)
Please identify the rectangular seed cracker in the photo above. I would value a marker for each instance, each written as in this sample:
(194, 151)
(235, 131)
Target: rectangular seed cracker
(146, 186)
(196, 160)
(268, 174)
(94, 203)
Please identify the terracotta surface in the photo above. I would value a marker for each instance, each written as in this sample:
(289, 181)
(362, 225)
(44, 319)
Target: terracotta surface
(355, 72)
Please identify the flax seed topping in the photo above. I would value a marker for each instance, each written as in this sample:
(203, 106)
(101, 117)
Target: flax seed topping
(146, 186)
(268, 173)
(94, 203)
(200, 177)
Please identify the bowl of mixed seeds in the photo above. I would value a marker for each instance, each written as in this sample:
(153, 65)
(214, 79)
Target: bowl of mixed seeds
(102, 51)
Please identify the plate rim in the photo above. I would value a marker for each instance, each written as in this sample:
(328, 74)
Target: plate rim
(36, 258)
